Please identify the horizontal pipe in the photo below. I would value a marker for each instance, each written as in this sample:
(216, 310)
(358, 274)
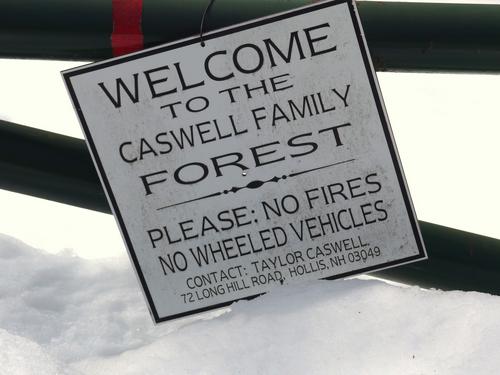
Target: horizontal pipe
(59, 168)
(401, 36)
(50, 166)
(458, 260)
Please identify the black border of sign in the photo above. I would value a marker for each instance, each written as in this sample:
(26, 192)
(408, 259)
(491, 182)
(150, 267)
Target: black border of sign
(375, 91)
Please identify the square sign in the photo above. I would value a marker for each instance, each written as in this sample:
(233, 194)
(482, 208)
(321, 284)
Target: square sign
(263, 158)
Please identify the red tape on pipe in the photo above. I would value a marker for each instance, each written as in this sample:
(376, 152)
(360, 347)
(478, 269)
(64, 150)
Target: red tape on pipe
(127, 32)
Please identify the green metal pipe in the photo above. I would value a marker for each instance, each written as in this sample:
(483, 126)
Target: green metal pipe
(57, 167)
(458, 260)
(401, 36)
(50, 166)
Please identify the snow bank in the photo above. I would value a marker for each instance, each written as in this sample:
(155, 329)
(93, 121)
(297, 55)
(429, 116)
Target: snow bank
(21, 356)
(60, 314)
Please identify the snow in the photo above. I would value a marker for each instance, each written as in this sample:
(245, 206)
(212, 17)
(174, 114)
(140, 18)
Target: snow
(61, 314)
(21, 356)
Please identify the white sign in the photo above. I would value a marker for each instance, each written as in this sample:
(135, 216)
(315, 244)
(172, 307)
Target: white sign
(264, 158)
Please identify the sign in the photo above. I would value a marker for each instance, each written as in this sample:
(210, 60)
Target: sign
(264, 158)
